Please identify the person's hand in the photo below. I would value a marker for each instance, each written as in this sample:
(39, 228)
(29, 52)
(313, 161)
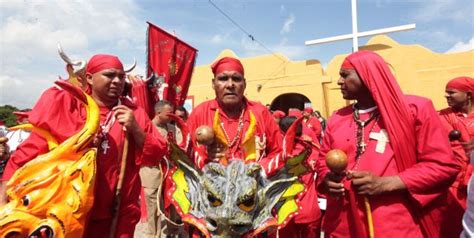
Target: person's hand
(366, 183)
(215, 152)
(334, 185)
(307, 138)
(124, 116)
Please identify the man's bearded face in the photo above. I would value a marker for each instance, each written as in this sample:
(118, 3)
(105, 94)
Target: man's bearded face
(229, 87)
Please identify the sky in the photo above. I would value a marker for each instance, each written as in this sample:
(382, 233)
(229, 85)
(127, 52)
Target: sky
(31, 29)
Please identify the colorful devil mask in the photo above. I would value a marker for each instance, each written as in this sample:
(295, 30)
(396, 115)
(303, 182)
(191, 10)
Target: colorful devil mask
(236, 199)
(51, 195)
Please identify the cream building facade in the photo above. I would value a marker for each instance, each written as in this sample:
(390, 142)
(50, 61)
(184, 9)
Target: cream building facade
(284, 84)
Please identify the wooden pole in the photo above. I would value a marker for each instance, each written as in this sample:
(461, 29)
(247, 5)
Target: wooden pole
(118, 197)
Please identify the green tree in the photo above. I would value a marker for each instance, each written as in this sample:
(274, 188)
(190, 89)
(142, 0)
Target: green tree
(6, 115)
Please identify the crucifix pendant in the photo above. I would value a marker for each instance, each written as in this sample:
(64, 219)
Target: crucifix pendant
(105, 146)
(362, 146)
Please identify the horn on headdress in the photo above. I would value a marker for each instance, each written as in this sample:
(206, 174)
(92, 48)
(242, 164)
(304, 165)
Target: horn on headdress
(151, 77)
(131, 67)
(81, 64)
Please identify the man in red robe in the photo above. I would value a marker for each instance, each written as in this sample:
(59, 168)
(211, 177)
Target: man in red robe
(312, 122)
(459, 117)
(308, 133)
(400, 163)
(234, 111)
(62, 115)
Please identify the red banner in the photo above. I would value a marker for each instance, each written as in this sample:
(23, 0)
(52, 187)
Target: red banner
(172, 61)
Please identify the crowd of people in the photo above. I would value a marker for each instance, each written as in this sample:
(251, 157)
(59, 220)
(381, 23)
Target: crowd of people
(408, 166)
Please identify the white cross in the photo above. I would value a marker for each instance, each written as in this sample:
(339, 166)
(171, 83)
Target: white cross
(105, 146)
(355, 34)
(382, 140)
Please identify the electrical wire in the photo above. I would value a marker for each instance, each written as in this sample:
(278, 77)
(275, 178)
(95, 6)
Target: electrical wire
(246, 32)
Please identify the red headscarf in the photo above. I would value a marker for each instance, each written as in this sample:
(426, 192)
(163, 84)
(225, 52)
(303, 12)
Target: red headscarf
(227, 64)
(463, 84)
(102, 61)
(308, 110)
(389, 98)
(346, 64)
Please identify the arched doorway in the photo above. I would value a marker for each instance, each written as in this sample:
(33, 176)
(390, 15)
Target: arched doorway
(289, 100)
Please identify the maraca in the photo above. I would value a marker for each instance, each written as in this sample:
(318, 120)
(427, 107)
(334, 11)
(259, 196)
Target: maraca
(336, 160)
(204, 135)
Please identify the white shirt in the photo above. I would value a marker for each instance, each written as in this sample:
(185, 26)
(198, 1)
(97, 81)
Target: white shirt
(15, 138)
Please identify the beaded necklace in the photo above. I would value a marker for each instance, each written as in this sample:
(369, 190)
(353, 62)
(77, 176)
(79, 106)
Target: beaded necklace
(361, 124)
(239, 130)
(101, 139)
(105, 128)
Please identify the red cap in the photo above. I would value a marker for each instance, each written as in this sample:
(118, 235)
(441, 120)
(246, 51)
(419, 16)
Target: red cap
(463, 84)
(278, 114)
(101, 61)
(227, 64)
(294, 112)
(308, 110)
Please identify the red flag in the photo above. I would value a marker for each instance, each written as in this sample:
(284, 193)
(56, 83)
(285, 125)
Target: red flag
(172, 61)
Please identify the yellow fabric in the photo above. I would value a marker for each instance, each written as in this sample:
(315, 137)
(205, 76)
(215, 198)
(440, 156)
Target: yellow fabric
(289, 206)
(220, 134)
(182, 188)
(249, 144)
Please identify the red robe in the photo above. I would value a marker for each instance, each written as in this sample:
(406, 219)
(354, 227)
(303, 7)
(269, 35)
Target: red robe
(393, 214)
(266, 129)
(315, 125)
(307, 131)
(62, 115)
(308, 221)
(465, 124)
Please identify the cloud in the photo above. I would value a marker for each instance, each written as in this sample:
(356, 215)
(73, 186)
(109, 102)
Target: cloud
(282, 9)
(30, 31)
(435, 39)
(454, 10)
(461, 46)
(216, 39)
(287, 25)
